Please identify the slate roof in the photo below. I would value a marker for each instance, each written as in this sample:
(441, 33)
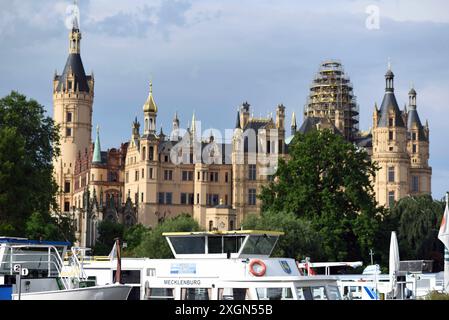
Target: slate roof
(413, 118)
(75, 65)
(389, 103)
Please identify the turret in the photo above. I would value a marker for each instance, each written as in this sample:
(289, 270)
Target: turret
(150, 113)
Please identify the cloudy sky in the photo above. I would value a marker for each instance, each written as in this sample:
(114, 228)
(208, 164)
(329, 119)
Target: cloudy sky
(209, 56)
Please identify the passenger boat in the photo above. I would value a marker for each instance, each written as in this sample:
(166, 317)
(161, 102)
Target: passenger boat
(232, 265)
(35, 270)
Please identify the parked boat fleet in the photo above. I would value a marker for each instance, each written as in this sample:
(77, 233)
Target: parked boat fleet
(234, 265)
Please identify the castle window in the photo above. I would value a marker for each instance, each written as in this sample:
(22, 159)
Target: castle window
(214, 176)
(136, 176)
(127, 177)
(68, 132)
(151, 173)
(391, 199)
(390, 135)
(226, 199)
(69, 117)
(141, 199)
(67, 187)
(183, 198)
(187, 176)
(413, 136)
(211, 225)
(161, 197)
(414, 148)
(69, 85)
(252, 172)
(252, 197)
(198, 198)
(151, 154)
(390, 174)
(166, 158)
(168, 198)
(168, 175)
(66, 206)
(390, 122)
(280, 143)
(231, 225)
(415, 184)
(144, 154)
(143, 173)
(226, 177)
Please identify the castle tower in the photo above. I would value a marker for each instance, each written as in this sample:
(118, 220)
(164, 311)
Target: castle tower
(331, 97)
(418, 149)
(390, 148)
(73, 96)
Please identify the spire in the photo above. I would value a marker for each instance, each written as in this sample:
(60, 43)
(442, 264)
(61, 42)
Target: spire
(193, 129)
(150, 105)
(294, 126)
(237, 123)
(75, 34)
(389, 110)
(97, 149)
(389, 78)
(412, 97)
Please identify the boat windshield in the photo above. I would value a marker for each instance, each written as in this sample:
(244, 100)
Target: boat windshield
(259, 245)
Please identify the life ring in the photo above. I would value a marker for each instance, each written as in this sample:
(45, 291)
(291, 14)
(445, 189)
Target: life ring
(262, 265)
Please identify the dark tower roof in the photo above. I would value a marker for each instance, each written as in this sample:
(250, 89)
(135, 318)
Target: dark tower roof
(237, 123)
(413, 117)
(75, 65)
(389, 104)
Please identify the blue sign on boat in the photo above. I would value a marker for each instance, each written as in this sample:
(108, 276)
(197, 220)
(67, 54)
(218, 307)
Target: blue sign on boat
(183, 268)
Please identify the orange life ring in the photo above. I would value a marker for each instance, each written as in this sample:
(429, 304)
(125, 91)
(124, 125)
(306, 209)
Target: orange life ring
(261, 264)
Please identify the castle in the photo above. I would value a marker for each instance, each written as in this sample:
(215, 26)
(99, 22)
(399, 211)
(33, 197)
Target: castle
(154, 176)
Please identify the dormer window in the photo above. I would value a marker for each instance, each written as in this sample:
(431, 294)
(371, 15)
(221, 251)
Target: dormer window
(70, 85)
(390, 122)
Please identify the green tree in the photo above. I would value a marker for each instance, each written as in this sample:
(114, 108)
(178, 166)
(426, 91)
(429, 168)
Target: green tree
(155, 246)
(133, 236)
(327, 180)
(300, 240)
(44, 226)
(28, 143)
(108, 231)
(418, 221)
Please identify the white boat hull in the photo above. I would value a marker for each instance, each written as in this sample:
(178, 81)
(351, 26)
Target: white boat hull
(107, 292)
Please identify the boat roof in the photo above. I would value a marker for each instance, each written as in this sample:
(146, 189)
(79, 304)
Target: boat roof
(219, 233)
(25, 241)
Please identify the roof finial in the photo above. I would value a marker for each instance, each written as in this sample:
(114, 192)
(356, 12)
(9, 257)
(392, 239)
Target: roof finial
(389, 63)
(151, 84)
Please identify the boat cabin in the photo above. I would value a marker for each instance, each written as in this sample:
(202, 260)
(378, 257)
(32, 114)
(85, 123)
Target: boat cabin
(231, 265)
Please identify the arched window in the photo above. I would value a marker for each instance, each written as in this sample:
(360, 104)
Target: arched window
(144, 153)
(151, 154)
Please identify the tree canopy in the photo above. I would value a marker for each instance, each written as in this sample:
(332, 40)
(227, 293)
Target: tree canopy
(29, 140)
(417, 220)
(327, 181)
(155, 246)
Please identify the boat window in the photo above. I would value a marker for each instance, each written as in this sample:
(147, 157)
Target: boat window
(129, 276)
(304, 294)
(151, 272)
(319, 293)
(262, 245)
(224, 244)
(233, 244)
(333, 293)
(159, 294)
(188, 245)
(214, 244)
(274, 293)
(195, 293)
(233, 294)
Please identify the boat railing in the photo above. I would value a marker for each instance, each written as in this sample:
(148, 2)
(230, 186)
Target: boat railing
(49, 260)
